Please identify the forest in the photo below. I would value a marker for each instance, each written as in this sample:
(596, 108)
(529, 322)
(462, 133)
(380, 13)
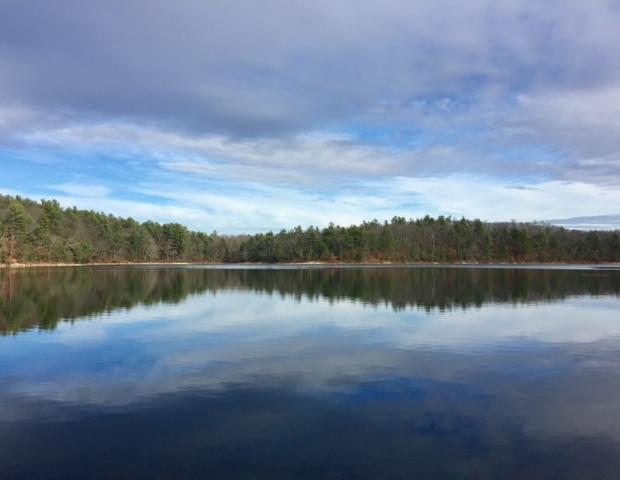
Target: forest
(45, 232)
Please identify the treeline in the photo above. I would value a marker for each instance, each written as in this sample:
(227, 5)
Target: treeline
(44, 232)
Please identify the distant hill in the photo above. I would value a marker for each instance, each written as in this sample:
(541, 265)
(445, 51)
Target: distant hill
(595, 222)
(36, 232)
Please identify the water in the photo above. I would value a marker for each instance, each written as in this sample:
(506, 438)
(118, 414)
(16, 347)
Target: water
(317, 373)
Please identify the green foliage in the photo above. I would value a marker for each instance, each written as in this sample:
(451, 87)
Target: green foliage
(45, 232)
(432, 240)
(16, 226)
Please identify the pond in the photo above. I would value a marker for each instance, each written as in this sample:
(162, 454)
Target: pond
(310, 372)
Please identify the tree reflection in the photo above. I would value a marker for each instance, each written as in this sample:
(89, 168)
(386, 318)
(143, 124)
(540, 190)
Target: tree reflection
(43, 297)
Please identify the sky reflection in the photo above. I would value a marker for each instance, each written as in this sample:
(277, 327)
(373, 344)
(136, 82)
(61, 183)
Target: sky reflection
(540, 374)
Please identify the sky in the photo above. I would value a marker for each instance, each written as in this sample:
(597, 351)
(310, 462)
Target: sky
(244, 116)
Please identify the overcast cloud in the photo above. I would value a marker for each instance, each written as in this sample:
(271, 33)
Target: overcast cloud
(298, 106)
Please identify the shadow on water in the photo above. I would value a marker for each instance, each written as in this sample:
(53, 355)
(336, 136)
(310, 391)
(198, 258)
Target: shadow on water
(40, 298)
(276, 435)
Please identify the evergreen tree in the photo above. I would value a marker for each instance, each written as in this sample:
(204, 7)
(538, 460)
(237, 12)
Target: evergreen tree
(45, 232)
(15, 229)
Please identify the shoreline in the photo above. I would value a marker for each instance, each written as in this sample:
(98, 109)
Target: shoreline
(21, 266)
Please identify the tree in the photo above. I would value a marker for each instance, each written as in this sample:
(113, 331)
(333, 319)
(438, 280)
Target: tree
(175, 240)
(43, 231)
(15, 228)
(137, 246)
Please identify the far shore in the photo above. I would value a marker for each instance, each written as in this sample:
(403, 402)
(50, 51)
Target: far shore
(20, 265)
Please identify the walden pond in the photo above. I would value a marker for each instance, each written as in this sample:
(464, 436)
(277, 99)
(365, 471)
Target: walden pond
(314, 372)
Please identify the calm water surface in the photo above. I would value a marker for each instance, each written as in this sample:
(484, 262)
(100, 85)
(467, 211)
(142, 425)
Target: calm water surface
(310, 373)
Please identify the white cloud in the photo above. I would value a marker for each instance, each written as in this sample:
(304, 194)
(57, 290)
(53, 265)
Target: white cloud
(468, 196)
(491, 200)
(447, 116)
(82, 190)
(248, 207)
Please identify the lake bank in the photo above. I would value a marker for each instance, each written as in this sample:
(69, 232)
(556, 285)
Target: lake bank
(21, 265)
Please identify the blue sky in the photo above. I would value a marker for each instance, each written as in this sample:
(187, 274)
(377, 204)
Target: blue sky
(244, 116)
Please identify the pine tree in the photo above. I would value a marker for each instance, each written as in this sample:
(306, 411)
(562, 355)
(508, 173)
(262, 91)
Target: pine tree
(15, 229)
